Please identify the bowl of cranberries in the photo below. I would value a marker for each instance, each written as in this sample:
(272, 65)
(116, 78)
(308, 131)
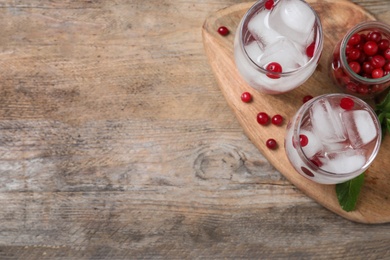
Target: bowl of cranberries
(360, 64)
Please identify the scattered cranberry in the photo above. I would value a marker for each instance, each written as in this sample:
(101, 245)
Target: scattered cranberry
(310, 50)
(271, 144)
(303, 140)
(262, 118)
(306, 98)
(347, 103)
(269, 4)
(277, 119)
(246, 97)
(223, 30)
(370, 48)
(274, 68)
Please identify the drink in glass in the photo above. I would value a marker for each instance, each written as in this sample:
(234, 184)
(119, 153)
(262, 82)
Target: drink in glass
(333, 138)
(277, 47)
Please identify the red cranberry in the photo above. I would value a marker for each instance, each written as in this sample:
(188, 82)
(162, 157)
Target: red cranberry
(306, 98)
(348, 48)
(386, 54)
(223, 30)
(345, 79)
(277, 119)
(376, 88)
(310, 50)
(374, 36)
(363, 89)
(262, 118)
(303, 140)
(354, 54)
(378, 61)
(377, 73)
(360, 46)
(363, 38)
(387, 66)
(367, 67)
(275, 68)
(370, 48)
(350, 86)
(355, 66)
(362, 57)
(383, 44)
(316, 161)
(347, 103)
(246, 97)
(307, 171)
(269, 4)
(271, 144)
(355, 39)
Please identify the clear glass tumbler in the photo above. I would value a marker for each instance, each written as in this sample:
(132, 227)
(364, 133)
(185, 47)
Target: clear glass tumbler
(277, 47)
(333, 138)
(360, 64)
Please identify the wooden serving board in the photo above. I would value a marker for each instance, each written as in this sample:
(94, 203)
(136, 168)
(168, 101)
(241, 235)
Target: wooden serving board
(337, 16)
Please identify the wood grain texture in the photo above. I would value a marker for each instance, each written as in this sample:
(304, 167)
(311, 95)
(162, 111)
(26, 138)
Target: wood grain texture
(337, 17)
(116, 143)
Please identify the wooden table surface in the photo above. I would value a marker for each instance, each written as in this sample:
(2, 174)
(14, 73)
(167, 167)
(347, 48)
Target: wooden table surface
(116, 143)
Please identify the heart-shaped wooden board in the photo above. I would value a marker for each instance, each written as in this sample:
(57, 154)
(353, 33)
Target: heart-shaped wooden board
(337, 17)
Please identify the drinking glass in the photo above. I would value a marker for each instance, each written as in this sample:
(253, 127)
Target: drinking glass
(277, 48)
(333, 138)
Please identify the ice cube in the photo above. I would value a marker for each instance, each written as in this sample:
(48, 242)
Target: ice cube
(331, 147)
(344, 161)
(360, 127)
(293, 19)
(285, 53)
(254, 52)
(258, 26)
(313, 146)
(326, 122)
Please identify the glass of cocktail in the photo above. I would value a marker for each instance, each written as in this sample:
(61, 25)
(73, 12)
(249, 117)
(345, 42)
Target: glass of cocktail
(333, 138)
(278, 44)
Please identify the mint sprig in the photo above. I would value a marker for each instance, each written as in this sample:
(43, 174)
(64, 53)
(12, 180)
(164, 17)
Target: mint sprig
(348, 192)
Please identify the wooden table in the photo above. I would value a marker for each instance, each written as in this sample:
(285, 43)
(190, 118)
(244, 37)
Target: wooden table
(116, 143)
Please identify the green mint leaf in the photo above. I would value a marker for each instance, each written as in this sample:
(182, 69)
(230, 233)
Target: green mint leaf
(348, 192)
(385, 104)
(382, 110)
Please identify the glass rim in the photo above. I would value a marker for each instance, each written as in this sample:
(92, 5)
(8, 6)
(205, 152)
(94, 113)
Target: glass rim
(297, 127)
(343, 46)
(318, 47)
